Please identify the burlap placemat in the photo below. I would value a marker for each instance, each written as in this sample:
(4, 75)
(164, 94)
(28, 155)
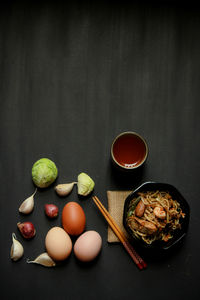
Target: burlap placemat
(115, 207)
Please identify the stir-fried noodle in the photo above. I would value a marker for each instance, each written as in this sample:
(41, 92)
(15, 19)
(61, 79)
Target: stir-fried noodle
(160, 218)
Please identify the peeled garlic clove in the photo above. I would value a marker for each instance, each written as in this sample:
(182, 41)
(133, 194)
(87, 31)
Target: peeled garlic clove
(43, 259)
(27, 206)
(17, 249)
(64, 189)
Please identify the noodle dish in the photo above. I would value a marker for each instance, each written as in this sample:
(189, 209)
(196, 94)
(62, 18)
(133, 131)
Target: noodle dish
(156, 213)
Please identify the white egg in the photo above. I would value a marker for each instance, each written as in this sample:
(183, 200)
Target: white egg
(88, 246)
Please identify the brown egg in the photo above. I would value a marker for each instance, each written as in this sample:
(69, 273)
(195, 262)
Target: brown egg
(58, 243)
(73, 218)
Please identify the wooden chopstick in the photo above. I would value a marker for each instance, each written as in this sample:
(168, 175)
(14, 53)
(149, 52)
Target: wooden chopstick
(129, 248)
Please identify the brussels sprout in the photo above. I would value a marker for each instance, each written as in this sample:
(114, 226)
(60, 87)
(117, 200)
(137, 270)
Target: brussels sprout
(44, 172)
(85, 184)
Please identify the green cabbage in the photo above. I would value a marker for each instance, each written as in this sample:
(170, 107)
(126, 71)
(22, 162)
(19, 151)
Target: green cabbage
(85, 184)
(44, 172)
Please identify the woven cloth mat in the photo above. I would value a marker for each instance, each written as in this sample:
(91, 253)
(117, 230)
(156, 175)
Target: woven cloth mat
(115, 207)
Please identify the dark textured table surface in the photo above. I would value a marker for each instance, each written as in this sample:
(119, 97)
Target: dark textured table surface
(73, 75)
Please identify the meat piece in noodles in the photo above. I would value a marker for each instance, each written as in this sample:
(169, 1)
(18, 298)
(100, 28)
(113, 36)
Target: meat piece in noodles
(143, 226)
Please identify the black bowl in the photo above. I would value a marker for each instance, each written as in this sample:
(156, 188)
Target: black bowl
(178, 234)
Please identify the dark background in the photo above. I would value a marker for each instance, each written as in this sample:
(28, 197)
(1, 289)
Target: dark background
(73, 75)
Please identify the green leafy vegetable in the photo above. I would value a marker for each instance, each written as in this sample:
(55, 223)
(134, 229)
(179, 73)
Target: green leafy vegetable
(44, 172)
(85, 184)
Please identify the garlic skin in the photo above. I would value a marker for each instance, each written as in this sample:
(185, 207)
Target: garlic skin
(43, 259)
(64, 189)
(17, 249)
(27, 205)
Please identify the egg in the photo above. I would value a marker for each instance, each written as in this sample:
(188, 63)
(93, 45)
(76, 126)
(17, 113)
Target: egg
(88, 246)
(58, 243)
(73, 218)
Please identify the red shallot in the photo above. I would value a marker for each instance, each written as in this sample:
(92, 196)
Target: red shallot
(51, 210)
(27, 229)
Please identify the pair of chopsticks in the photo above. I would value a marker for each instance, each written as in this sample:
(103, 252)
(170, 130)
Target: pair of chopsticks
(129, 248)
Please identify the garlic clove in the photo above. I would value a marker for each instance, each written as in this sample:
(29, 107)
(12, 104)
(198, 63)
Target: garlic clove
(17, 249)
(27, 205)
(43, 259)
(64, 189)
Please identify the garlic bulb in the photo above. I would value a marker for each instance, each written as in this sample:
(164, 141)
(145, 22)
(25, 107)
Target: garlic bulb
(64, 189)
(43, 259)
(27, 206)
(17, 249)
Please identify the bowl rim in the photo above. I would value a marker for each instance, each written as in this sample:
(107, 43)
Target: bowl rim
(142, 139)
(159, 244)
